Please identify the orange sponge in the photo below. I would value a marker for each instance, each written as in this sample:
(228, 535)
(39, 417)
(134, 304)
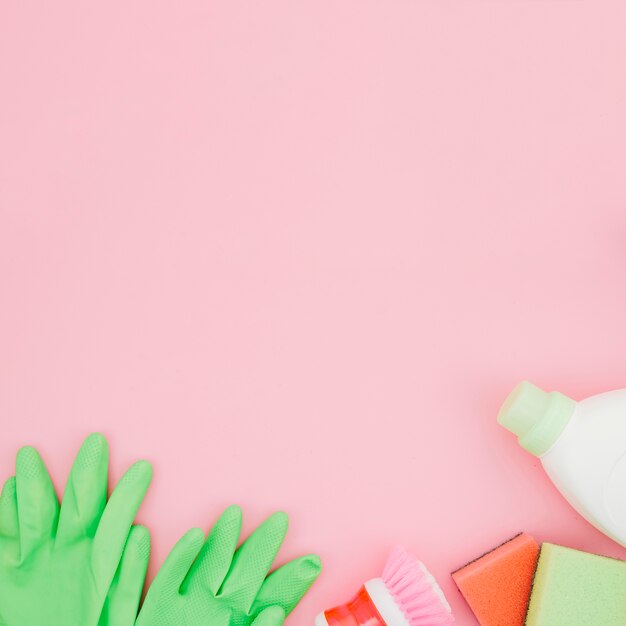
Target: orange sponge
(497, 585)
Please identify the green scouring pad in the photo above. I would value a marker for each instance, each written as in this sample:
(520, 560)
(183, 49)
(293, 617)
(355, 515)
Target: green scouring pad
(573, 588)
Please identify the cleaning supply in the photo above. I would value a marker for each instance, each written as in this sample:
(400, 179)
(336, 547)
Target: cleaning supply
(582, 447)
(497, 585)
(406, 595)
(122, 602)
(213, 582)
(57, 564)
(573, 588)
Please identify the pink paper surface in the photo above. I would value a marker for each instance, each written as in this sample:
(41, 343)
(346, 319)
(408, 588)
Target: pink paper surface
(297, 253)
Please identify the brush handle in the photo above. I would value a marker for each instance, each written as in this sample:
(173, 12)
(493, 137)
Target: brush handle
(360, 611)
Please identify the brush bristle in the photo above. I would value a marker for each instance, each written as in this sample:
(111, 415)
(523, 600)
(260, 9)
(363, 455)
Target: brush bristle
(415, 591)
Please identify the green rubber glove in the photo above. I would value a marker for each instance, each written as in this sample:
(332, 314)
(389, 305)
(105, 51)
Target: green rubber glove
(122, 602)
(211, 582)
(57, 564)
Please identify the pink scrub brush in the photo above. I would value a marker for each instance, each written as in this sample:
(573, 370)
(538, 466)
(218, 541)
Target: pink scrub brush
(406, 595)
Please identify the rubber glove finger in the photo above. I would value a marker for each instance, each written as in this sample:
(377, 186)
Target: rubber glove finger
(116, 521)
(122, 603)
(287, 585)
(86, 491)
(37, 504)
(9, 526)
(253, 561)
(170, 577)
(216, 557)
(272, 616)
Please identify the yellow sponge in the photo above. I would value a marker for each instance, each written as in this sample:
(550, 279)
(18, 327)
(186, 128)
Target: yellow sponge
(573, 588)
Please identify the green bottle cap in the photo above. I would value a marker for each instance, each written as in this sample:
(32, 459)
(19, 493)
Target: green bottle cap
(537, 417)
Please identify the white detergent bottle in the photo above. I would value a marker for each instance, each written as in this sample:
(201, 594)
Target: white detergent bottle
(582, 446)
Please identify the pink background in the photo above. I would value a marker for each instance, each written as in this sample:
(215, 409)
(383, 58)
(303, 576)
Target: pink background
(297, 253)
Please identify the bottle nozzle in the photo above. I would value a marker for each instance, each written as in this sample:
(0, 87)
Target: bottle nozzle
(536, 416)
